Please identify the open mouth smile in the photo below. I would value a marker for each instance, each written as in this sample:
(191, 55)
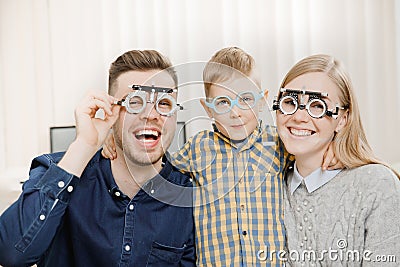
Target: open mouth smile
(301, 133)
(147, 136)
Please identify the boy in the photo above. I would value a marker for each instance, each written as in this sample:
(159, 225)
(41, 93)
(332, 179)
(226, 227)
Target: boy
(237, 168)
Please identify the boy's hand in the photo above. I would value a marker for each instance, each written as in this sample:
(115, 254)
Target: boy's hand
(331, 162)
(109, 151)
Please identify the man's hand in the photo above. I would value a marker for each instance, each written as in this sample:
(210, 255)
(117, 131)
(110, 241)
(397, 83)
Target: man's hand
(90, 131)
(331, 162)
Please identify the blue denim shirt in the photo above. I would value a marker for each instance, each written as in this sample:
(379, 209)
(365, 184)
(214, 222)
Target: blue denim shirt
(60, 220)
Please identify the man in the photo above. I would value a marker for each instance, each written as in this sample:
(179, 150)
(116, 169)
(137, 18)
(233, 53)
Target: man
(80, 209)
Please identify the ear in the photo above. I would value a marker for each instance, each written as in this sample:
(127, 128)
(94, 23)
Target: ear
(342, 121)
(263, 101)
(207, 109)
(266, 94)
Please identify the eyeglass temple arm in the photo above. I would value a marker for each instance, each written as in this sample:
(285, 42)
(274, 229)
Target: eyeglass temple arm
(119, 102)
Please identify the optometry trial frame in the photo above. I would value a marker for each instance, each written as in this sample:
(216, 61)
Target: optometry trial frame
(136, 101)
(224, 104)
(316, 106)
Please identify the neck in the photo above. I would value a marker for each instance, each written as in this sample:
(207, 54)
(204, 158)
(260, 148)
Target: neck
(306, 164)
(129, 176)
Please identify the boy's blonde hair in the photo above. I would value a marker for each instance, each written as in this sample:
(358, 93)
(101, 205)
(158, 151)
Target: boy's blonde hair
(225, 64)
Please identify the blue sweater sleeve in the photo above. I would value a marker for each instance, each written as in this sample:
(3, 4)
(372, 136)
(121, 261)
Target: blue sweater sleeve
(29, 225)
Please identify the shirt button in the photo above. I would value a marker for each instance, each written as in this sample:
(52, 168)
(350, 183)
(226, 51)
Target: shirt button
(305, 219)
(152, 191)
(42, 217)
(70, 188)
(60, 184)
(242, 207)
(131, 206)
(244, 232)
(305, 203)
(298, 209)
(117, 193)
(300, 227)
(311, 210)
(305, 238)
(127, 248)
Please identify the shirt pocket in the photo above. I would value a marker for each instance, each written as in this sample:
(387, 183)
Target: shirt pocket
(162, 255)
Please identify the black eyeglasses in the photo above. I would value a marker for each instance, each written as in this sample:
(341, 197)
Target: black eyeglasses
(316, 107)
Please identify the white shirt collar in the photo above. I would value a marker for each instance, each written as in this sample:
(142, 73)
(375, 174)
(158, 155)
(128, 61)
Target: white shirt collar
(313, 181)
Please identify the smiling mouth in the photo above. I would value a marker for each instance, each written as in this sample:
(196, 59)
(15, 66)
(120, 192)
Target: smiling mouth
(147, 135)
(237, 125)
(297, 132)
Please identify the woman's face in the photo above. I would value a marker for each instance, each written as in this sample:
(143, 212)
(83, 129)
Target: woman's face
(303, 135)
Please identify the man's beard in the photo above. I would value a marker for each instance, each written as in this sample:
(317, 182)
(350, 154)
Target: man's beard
(135, 157)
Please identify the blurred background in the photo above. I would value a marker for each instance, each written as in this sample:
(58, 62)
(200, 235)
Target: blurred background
(52, 52)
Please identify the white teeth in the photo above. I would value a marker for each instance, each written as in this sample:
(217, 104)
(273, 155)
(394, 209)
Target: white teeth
(147, 132)
(300, 132)
(147, 141)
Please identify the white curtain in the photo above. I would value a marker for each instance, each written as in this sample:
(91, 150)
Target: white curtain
(52, 52)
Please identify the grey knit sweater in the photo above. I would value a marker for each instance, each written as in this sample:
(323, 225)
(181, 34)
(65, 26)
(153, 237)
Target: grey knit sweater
(353, 220)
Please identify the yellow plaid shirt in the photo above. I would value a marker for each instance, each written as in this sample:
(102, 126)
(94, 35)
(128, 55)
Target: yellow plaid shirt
(237, 196)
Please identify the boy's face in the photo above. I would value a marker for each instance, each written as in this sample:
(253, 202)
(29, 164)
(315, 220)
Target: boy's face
(238, 123)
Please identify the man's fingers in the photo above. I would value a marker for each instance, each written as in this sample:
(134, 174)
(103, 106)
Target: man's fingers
(102, 101)
(95, 101)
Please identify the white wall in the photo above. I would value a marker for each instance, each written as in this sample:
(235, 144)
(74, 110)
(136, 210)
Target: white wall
(52, 52)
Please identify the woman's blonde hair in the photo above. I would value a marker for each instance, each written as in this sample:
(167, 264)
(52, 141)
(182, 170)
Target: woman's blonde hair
(350, 144)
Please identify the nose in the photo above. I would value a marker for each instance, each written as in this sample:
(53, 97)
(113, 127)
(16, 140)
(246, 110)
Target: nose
(301, 115)
(150, 112)
(235, 112)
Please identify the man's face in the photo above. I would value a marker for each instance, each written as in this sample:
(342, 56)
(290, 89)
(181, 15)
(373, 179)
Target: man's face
(143, 137)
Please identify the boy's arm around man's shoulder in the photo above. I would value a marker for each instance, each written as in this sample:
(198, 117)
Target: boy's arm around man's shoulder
(29, 225)
(186, 156)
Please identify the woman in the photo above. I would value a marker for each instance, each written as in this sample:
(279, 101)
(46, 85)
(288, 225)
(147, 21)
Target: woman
(341, 217)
